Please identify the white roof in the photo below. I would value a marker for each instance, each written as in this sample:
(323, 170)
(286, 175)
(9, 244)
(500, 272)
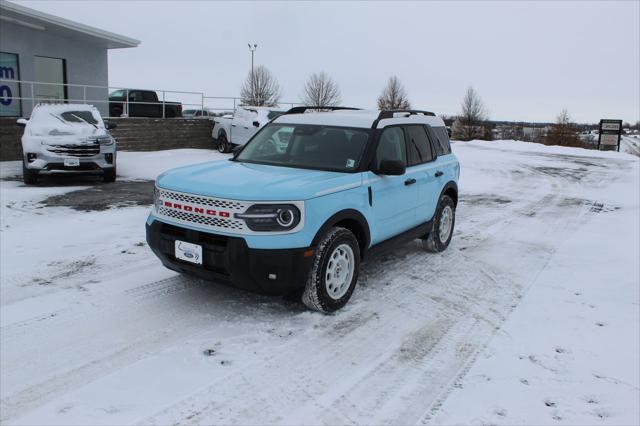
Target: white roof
(34, 19)
(356, 118)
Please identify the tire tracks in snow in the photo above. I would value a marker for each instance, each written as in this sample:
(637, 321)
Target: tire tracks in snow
(431, 356)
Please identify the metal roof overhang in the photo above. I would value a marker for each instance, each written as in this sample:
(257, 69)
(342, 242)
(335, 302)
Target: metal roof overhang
(40, 21)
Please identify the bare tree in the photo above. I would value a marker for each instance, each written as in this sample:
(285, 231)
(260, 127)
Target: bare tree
(260, 88)
(563, 132)
(321, 91)
(394, 96)
(471, 122)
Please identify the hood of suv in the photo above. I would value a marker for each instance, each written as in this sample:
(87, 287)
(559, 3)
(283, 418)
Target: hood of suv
(255, 182)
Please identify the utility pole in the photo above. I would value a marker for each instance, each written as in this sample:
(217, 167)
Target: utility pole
(253, 77)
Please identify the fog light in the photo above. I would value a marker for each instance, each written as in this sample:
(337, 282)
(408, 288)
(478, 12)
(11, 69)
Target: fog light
(273, 276)
(31, 156)
(108, 158)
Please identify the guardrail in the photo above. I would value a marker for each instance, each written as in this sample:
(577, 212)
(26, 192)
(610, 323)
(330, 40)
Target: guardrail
(99, 95)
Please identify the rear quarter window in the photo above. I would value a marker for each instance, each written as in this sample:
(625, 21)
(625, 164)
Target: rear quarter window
(442, 145)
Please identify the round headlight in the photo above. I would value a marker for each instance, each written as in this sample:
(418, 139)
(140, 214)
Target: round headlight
(285, 217)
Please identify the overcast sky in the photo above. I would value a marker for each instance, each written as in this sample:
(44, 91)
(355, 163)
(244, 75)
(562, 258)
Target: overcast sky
(527, 60)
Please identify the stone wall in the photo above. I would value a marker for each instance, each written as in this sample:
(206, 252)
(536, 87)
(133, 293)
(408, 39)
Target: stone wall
(132, 134)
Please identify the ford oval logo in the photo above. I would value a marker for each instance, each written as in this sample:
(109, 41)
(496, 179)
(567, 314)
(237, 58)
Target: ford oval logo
(189, 254)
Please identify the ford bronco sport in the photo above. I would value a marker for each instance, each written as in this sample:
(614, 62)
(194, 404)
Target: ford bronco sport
(306, 199)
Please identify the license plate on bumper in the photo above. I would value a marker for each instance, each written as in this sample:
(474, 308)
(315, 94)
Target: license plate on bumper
(188, 252)
(71, 162)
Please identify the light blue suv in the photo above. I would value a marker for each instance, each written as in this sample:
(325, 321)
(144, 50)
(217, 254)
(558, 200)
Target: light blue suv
(307, 199)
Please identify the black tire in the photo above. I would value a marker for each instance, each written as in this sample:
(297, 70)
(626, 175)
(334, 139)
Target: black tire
(316, 293)
(109, 175)
(29, 177)
(223, 144)
(433, 242)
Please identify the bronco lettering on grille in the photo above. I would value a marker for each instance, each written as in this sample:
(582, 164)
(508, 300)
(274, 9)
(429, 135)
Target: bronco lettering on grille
(193, 209)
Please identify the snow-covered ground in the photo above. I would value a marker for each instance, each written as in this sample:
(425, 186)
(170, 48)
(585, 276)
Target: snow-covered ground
(531, 316)
(630, 144)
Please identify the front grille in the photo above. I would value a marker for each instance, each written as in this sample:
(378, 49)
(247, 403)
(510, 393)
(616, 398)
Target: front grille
(214, 222)
(76, 150)
(215, 214)
(204, 201)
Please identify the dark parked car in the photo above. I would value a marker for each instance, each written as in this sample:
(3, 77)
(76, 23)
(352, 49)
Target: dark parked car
(142, 103)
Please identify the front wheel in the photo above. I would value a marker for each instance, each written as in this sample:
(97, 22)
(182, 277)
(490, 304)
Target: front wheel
(109, 175)
(223, 144)
(334, 273)
(29, 177)
(442, 229)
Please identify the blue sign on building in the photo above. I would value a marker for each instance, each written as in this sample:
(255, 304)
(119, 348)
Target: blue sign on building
(9, 90)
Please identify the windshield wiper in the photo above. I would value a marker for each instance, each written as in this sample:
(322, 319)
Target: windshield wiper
(58, 118)
(82, 119)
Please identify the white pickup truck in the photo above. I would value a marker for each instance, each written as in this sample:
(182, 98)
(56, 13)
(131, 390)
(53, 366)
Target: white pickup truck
(238, 129)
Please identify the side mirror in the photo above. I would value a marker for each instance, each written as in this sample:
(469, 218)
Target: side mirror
(256, 124)
(22, 122)
(391, 168)
(109, 125)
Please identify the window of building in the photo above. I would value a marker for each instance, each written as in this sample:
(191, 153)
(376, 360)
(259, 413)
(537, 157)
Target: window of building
(49, 70)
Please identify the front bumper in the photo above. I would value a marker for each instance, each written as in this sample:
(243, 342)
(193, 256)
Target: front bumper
(47, 163)
(229, 259)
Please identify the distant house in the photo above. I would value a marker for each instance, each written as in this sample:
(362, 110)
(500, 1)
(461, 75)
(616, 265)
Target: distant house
(42, 48)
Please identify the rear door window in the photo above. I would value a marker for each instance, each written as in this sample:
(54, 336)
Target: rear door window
(418, 146)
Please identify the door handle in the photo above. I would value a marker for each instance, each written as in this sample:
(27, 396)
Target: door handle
(233, 125)
(246, 127)
(439, 173)
(409, 182)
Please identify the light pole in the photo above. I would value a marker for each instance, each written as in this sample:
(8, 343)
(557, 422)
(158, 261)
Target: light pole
(253, 86)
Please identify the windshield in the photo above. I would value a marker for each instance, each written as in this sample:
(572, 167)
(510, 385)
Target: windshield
(78, 117)
(307, 146)
(189, 112)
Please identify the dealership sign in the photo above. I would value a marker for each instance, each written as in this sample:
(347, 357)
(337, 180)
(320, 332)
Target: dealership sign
(9, 90)
(610, 131)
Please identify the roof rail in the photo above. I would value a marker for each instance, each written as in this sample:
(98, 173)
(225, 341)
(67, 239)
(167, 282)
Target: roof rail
(389, 113)
(302, 109)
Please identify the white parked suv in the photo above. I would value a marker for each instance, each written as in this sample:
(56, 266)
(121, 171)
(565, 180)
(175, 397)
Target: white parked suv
(67, 138)
(237, 130)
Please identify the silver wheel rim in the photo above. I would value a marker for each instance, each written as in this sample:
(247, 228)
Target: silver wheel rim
(446, 221)
(222, 146)
(339, 271)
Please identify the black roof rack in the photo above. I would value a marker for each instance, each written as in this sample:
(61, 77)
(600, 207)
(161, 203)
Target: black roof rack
(389, 113)
(302, 109)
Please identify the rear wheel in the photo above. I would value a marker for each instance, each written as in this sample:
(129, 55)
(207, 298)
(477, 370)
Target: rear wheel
(334, 273)
(223, 144)
(29, 177)
(442, 229)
